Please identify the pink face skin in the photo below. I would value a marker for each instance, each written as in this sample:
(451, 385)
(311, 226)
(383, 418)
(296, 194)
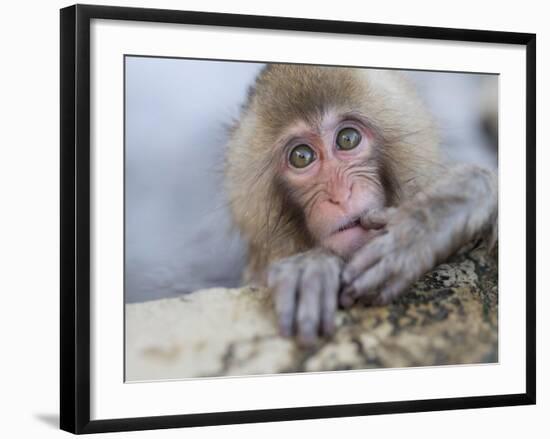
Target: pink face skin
(338, 186)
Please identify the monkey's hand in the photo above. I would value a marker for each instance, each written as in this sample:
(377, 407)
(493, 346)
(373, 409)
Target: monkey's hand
(421, 233)
(305, 288)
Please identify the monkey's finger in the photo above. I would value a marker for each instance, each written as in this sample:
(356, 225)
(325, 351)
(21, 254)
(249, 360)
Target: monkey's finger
(350, 295)
(284, 287)
(309, 305)
(391, 291)
(365, 258)
(376, 219)
(368, 300)
(329, 300)
(367, 284)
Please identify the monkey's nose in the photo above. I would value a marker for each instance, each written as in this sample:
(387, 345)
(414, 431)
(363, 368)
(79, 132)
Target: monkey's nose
(340, 196)
(338, 201)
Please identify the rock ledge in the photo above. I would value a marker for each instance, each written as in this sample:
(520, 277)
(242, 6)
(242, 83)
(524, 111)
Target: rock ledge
(448, 317)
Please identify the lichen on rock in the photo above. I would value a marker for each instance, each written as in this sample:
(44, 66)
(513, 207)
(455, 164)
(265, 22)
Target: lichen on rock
(448, 317)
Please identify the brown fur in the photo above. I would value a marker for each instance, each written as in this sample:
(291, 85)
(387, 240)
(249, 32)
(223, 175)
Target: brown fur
(263, 212)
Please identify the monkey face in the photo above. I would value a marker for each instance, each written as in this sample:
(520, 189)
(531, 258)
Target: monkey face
(331, 171)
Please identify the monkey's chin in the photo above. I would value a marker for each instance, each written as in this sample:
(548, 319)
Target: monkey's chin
(346, 242)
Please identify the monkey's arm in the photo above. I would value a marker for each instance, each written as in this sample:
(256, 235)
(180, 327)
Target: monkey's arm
(421, 233)
(305, 288)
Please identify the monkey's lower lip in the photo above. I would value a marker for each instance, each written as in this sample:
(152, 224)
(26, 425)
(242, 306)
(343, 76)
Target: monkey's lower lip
(349, 225)
(347, 238)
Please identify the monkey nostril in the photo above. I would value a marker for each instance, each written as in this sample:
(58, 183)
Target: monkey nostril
(341, 196)
(334, 199)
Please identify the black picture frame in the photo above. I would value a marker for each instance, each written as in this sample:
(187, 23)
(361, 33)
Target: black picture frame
(75, 217)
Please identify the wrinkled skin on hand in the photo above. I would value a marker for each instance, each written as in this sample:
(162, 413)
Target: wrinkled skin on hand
(388, 265)
(420, 234)
(305, 288)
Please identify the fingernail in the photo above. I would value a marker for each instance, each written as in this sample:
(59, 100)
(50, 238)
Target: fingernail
(346, 301)
(285, 327)
(285, 331)
(328, 328)
(348, 291)
(307, 332)
(346, 276)
(308, 340)
(379, 301)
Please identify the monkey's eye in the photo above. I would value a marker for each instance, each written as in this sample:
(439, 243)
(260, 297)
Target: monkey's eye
(301, 156)
(348, 138)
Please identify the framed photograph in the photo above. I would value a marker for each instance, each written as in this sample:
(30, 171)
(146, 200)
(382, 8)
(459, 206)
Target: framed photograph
(273, 218)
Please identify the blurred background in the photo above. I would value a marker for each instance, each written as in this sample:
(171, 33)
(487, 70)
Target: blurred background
(178, 236)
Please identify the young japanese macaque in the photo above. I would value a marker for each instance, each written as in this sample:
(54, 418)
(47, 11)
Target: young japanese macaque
(335, 182)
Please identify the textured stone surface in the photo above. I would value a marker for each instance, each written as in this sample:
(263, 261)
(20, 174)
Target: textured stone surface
(448, 317)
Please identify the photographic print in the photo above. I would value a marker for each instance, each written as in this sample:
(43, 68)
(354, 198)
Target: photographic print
(304, 218)
(290, 218)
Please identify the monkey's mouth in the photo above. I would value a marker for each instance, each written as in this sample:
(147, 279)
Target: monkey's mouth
(349, 225)
(346, 237)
